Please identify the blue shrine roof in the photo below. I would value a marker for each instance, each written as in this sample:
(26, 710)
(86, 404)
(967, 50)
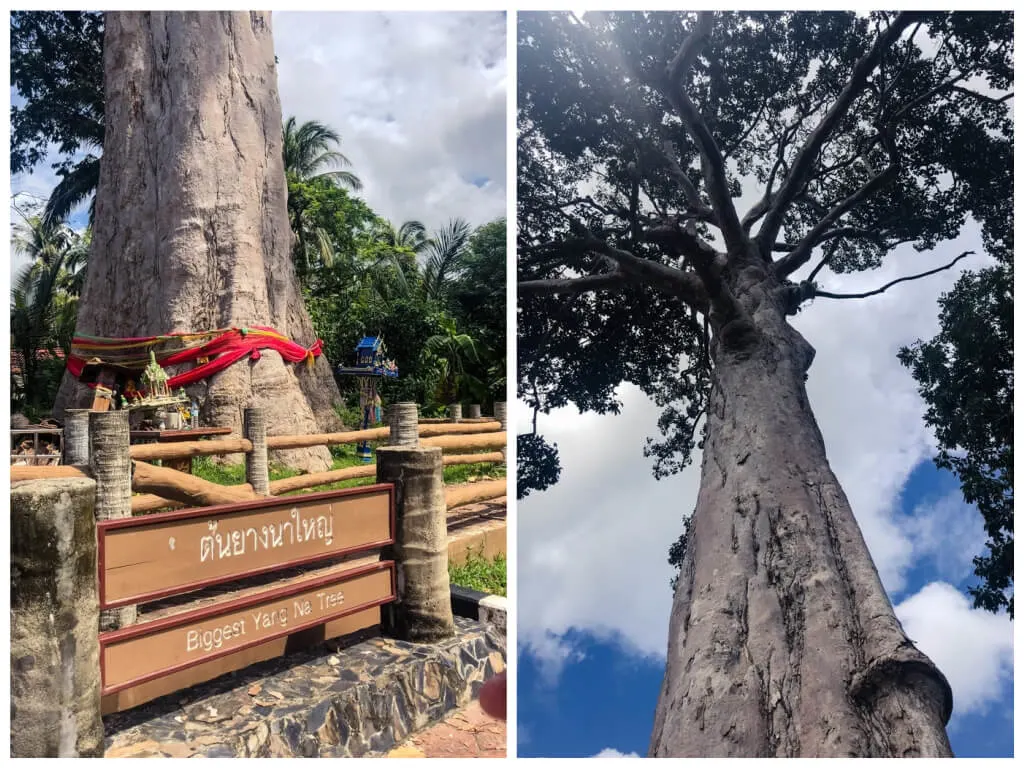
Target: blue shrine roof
(370, 360)
(369, 343)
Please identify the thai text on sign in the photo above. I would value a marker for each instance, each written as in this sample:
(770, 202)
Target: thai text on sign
(145, 558)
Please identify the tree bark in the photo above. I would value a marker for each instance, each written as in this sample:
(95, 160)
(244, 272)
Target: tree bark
(782, 640)
(191, 229)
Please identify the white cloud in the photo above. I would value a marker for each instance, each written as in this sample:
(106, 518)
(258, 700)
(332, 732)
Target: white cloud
(973, 648)
(602, 533)
(948, 533)
(419, 101)
(609, 752)
(553, 652)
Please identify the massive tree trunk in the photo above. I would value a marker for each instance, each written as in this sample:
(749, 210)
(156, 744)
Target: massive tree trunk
(191, 229)
(782, 641)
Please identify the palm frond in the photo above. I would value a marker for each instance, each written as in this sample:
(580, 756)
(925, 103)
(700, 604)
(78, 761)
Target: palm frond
(447, 255)
(72, 190)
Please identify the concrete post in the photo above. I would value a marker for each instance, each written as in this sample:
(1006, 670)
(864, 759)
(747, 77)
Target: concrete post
(111, 467)
(455, 412)
(404, 422)
(55, 650)
(501, 414)
(474, 411)
(76, 436)
(254, 429)
(423, 611)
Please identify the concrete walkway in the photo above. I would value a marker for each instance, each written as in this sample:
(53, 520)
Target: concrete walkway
(465, 733)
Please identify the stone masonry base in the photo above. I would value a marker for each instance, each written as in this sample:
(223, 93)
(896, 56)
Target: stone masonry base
(330, 701)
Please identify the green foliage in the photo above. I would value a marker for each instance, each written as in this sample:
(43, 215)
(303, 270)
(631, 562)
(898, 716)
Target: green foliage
(478, 303)
(537, 464)
(965, 375)
(677, 551)
(468, 473)
(307, 150)
(446, 252)
(57, 68)
(44, 301)
(483, 575)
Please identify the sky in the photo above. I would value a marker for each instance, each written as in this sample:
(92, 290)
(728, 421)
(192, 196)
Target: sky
(592, 650)
(418, 98)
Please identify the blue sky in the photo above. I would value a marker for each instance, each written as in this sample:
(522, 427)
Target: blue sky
(604, 696)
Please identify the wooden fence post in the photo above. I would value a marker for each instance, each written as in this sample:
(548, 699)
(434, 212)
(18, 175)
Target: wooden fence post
(403, 420)
(501, 414)
(474, 411)
(111, 466)
(257, 471)
(55, 650)
(76, 436)
(423, 611)
(455, 412)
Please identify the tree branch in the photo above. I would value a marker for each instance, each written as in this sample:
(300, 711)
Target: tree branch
(760, 208)
(629, 269)
(692, 196)
(827, 295)
(984, 97)
(808, 154)
(610, 281)
(802, 253)
(712, 162)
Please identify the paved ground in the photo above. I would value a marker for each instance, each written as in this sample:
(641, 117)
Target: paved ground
(467, 732)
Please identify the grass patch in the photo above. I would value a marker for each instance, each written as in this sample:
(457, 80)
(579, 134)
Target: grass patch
(469, 473)
(480, 574)
(343, 456)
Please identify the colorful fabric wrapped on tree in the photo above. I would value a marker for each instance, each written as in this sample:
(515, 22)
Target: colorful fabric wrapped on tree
(212, 350)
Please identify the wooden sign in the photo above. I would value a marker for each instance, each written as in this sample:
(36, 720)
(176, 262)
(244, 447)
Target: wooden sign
(143, 652)
(145, 558)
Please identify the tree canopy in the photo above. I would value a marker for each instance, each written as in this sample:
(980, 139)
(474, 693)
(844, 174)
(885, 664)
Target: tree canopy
(852, 134)
(662, 156)
(57, 69)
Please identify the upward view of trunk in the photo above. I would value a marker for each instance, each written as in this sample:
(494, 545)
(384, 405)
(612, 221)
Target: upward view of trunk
(782, 641)
(191, 230)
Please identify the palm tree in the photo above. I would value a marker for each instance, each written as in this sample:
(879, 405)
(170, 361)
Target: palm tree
(447, 254)
(391, 256)
(44, 294)
(33, 293)
(78, 185)
(307, 151)
(411, 236)
(451, 351)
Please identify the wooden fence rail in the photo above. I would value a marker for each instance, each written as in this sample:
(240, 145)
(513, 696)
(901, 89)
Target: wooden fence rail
(160, 487)
(150, 502)
(185, 450)
(482, 491)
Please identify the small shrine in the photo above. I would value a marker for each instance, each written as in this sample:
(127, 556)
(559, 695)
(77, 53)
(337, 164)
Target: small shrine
(371, 366)
(154, 379)
(160, 406)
